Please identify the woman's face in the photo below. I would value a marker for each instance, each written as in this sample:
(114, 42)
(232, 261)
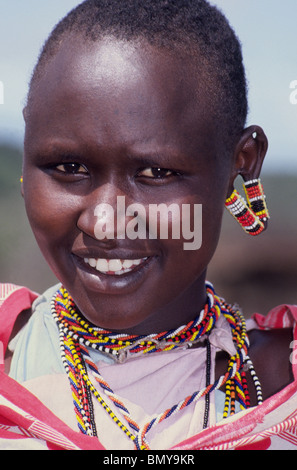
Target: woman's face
(125, 120)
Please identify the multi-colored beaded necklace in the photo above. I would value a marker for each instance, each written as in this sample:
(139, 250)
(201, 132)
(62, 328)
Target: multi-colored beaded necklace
(78, 337)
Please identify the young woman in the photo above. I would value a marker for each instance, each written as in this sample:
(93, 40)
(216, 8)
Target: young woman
(138, 109)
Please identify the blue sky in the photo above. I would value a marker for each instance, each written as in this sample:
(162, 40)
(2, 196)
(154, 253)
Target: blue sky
(266, 28)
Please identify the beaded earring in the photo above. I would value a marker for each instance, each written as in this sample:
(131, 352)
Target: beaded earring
(252, 214)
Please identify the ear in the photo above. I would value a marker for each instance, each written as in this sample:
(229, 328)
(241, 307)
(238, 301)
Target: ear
(25, 112)
(249, 155)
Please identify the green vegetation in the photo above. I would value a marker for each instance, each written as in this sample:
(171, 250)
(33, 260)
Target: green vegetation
(11, 164)
(20, 260)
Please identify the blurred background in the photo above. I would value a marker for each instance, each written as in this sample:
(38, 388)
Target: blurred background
(258, 273)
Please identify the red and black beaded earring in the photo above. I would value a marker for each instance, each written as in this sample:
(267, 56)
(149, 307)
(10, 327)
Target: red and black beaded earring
(252, 214)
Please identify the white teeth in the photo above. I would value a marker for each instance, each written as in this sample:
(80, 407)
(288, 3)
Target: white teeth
(102, 265)
(128, 263)
(115, 266)
(92, 262)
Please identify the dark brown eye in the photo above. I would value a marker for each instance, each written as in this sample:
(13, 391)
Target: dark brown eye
(71, 168)
(156, 173)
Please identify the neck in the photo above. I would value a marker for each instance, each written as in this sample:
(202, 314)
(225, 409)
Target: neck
(175, 314)
(122, 346)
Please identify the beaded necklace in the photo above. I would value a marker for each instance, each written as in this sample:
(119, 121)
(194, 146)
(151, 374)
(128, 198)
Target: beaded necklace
(77, 337)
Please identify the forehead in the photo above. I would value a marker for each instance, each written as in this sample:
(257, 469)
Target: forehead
(115, 83)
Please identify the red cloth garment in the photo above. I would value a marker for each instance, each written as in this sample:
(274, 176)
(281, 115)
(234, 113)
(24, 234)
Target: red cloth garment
(26, 423)
(23, 418)
(13, 300)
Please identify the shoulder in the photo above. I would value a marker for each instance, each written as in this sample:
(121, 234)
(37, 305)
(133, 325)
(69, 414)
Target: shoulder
(7, 290)
(15, 310)
(15, 297)
(270, 352)
(13, 301)
(271, 348)
(271, 340)
(20, 322)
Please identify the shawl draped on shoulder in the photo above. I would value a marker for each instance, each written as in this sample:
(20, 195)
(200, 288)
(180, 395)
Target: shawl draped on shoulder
(26, 423)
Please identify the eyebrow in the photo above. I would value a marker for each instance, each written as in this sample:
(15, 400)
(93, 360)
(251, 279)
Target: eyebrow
(56, 151)
(150, 160)
(165, 157)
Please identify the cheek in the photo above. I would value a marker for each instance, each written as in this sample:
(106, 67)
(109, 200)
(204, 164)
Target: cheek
(195, 222)
(193, 237)
(51, 214)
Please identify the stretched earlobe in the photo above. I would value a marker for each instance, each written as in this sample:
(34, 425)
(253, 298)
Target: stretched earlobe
(250, 153)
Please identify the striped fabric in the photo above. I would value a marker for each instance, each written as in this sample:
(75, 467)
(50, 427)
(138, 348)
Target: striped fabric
(25, 423)
(6, 290)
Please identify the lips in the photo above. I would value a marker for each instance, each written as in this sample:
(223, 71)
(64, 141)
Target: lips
(116, 267)
(118, 273)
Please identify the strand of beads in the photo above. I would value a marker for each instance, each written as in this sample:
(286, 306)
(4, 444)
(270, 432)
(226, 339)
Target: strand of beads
(236, 383)
(81, 398)
(120, 346)
(85, 424)
(116, 401)
(75, 340)
(244, 214)
(256, 198)
(75, 330)
(251, 214)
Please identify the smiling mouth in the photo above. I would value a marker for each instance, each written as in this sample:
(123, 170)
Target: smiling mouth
(114, 267)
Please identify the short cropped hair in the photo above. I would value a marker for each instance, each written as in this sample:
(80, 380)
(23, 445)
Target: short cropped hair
(166, 23)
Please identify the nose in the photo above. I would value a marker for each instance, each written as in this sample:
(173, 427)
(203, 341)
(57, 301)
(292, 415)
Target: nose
(103, 216)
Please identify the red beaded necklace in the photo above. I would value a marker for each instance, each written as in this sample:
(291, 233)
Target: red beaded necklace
(78, 338)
